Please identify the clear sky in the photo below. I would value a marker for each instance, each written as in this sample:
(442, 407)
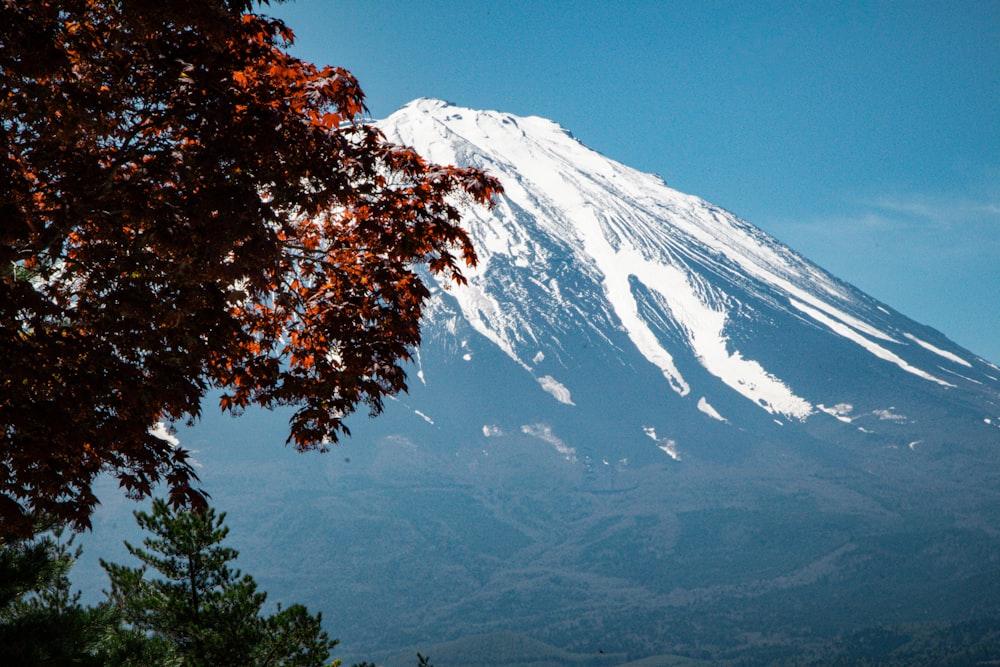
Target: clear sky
(865, 135)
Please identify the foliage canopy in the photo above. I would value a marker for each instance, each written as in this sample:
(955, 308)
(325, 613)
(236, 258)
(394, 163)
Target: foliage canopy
(184, 206)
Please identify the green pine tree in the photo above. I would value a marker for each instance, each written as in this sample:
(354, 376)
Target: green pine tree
(196, 610)
(41, 620)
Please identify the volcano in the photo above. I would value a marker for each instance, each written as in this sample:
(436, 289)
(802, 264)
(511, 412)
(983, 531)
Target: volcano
(636, 303)
(643, 428)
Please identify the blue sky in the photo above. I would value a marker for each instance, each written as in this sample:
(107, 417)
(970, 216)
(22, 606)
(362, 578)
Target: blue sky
(865, 135)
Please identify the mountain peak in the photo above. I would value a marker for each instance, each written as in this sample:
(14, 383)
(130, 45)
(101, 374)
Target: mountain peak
(492, 124)
(426, 104)
(582, 246)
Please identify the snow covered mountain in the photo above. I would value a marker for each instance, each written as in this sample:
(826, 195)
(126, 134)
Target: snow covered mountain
(585, 257)
(644, 427)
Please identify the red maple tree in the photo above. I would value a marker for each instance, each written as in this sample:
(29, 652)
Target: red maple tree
(186, 207)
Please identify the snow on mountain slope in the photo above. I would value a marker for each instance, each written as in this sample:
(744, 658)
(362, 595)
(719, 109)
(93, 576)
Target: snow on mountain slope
(580, 242)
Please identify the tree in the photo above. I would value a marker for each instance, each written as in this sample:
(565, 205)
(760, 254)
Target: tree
(41, 621)
(185, 207)
(196, 610)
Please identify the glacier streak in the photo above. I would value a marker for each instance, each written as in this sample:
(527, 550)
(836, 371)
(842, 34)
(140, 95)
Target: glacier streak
(874, 348)
(937, 350)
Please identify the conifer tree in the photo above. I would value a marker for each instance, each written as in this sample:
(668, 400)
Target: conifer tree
(41, 621)
(187, 605)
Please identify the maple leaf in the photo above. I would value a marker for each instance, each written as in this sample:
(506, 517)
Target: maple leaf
(188, 207)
